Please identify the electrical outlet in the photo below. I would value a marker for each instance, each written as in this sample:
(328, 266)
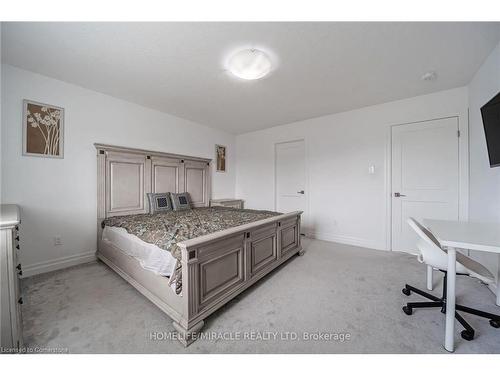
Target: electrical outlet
(57, 240)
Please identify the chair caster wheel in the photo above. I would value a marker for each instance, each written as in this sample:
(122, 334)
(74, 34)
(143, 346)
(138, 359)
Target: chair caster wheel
(495, 323)
(467, 335)
(407, 310)
(406, 291)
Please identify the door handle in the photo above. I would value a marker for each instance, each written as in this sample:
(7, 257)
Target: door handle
(397, 195)
(301, 192)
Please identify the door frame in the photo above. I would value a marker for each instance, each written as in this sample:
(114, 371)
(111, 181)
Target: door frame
(463, 171)
(306, 176)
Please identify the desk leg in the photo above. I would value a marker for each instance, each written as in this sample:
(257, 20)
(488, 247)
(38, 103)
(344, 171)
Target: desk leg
(430, 285)
(450, 300)
(498, 282)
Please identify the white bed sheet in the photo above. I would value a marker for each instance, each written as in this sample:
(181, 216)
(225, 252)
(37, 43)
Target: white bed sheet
(150, 256)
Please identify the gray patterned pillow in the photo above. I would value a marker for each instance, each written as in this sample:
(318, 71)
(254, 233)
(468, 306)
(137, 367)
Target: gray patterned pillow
(159, 202)
(180, 201)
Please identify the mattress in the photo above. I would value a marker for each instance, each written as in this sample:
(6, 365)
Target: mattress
(150, 256)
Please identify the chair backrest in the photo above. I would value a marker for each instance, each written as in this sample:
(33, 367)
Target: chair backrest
(431, 252)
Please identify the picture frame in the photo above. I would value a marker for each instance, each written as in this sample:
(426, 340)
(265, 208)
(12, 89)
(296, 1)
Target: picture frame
(43, 130)
(220, 158)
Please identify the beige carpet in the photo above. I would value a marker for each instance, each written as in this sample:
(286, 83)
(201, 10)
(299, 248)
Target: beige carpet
(352, 296)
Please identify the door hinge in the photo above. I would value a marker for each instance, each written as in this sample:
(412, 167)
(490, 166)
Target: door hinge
(458, 133)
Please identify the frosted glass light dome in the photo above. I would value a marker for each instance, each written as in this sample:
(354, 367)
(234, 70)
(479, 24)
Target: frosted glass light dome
(249, 64)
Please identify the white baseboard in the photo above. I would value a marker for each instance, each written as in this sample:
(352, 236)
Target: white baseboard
(348, 240)
(57, 264)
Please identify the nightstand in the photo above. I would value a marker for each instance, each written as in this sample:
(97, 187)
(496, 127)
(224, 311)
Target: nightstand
(234, 203)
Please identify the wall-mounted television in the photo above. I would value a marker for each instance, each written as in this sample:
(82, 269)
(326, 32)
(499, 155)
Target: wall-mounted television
(491, 122)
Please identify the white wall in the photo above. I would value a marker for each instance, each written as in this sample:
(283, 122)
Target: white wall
(346, 204)
(484, 181)
(58, 196)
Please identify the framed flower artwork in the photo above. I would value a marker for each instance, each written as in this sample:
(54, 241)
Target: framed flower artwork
(43, 130)
(220, 154)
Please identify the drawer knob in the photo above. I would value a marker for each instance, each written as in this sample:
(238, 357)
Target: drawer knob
(20, 300)
(19, 267)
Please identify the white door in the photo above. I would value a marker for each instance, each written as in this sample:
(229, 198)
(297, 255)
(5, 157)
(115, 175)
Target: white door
(424, 176)
(291, 177)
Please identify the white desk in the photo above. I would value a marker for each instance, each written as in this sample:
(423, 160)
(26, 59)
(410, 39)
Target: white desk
(454, 235)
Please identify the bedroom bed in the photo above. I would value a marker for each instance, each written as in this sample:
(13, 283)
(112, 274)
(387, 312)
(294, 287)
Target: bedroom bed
(222, 252)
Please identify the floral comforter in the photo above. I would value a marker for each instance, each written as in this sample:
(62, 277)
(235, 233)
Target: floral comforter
(165, 230)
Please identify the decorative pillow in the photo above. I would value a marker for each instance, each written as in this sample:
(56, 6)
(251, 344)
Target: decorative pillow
(159, 202)
(180, 201)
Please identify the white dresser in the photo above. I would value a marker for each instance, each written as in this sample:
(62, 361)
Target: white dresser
(234, 203)
(10, 269)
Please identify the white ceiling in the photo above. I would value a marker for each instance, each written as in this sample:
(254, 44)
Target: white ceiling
(320, 68)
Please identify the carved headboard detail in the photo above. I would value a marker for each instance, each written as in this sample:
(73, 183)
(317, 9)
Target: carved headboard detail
(125, 176)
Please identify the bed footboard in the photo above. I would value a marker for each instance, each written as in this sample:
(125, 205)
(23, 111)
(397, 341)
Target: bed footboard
(219, 266)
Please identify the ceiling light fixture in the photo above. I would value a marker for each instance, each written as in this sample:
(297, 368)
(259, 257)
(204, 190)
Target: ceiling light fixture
(249, 64)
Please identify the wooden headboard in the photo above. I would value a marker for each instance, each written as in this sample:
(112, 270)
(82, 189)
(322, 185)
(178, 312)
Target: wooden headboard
(125, 176)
